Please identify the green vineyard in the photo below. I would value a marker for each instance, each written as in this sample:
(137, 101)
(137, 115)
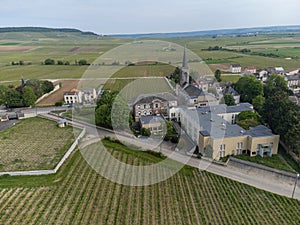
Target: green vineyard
(78, 195)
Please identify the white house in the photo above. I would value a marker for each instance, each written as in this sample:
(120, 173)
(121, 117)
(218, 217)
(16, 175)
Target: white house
(235, 68)
(73, 96)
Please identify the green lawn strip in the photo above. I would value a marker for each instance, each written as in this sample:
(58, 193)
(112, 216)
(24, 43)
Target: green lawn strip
(274, 161)
(291, 162)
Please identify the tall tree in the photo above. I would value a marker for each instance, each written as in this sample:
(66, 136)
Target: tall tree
(248, 87)
(218, 75)
(28, 96)
(229, 100)
(258, 103)
(275, 83)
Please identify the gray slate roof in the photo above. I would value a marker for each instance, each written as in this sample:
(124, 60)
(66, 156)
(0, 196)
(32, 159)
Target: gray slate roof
(193, 91)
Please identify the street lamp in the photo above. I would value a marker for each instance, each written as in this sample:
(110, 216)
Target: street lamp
(295, 184)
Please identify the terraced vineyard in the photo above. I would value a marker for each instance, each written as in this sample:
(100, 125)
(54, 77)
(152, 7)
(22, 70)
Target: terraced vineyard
(78, 195)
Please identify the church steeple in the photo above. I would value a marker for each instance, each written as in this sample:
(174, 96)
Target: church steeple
(184, 61)
(185, 74)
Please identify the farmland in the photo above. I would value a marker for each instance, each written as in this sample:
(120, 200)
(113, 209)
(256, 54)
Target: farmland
(33, 144)
(78, 195)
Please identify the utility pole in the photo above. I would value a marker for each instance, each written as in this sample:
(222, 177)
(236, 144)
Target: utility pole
(296, 181)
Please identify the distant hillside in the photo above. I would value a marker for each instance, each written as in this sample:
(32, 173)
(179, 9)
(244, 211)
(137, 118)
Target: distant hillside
(223, 32)
(43, 29)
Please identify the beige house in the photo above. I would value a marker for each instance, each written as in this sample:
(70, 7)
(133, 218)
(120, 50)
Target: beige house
(216, 133)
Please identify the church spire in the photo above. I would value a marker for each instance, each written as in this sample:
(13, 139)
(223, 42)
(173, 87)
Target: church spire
(184, 61)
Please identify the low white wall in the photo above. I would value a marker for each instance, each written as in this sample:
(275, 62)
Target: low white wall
(47, 94)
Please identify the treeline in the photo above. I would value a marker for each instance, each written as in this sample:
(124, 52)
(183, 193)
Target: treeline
(43, 29)
(220, 48)
(81, 62)
(244, 50)
(24, 95)
(272, 102)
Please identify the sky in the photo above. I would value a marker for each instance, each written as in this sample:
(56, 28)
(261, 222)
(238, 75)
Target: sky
(140, 16)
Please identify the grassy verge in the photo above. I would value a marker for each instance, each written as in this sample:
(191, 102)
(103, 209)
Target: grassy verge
(275, 162)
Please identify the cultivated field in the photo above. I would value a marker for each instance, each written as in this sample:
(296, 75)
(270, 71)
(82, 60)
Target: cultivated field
(78, 195)
(33, 144)
(66, 85)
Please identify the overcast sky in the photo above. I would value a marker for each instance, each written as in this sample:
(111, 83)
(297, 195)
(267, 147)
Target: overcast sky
(140, 16)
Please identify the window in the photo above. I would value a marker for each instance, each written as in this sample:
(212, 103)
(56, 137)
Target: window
(145, 106)
(139, 106)
(156, 105)
(222, 150)
(139, 113)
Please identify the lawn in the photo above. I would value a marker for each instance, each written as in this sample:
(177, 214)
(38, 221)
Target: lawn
(33, 144)
(275, 161)
(230, 78)
(78, 195)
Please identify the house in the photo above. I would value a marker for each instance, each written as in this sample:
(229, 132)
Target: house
(262, 75)
(250, 70)
(293, 82)
(235, 68)
(279, 70)
(73, 96)
(189, 116)
(293, 71)
(214, 130)
(62, 123)
(197, 97)
(201, 82)
(149, 105)
(154, 123)
(90, 96)
(228, 90)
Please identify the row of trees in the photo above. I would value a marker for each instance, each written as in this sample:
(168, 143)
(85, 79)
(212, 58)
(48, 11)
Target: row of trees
(49, 61)
(25, 94)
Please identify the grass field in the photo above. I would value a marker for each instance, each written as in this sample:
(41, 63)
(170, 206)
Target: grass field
(33, 144)
(159, 70)
(78, 195)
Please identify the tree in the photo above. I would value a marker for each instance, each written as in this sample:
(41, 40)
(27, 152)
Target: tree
(145, 132)
(258, 103)
(218, 75)
(82, 62)
(3, 94)
(274, 83)
(28, 96)
(248, 87)
(49, 62)
(13, 98)
(47, 86)
(248, 115)
(120, 116)
(60, 62)
(229, 100)
(246, 124)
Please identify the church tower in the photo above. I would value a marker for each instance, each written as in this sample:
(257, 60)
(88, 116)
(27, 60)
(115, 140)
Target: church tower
(185, 74)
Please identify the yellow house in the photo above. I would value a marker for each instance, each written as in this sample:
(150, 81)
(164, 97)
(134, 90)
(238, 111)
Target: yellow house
(217, 135)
